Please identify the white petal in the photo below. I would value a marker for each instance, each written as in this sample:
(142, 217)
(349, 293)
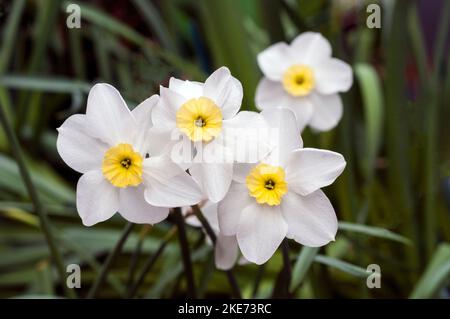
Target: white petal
(97, 199)
(226, 252)
(135, 209)
(275, 60)
(167, 185)
(332, 76)
(285, 135)
(309, 169)
(209, 210)
(261, 230)
(214, 179)
(188, 89)
(165, 113)
(143, 116)
(79, 150)
(246, 136)
(230, 208)
(241, 170)
(108, 115)
(327, 111)
(270, 94)
(311, 219)
(225, 90)
(310, 48)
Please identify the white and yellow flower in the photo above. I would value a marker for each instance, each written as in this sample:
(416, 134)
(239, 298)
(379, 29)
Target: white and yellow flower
(281, 196)
(203, 113)
(123, 167)
(305, 78)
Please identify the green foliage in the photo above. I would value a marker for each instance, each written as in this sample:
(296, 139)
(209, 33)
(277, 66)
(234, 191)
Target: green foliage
(394, 136)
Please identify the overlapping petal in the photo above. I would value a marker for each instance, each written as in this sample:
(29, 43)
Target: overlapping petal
(79, 150)
(108, 116)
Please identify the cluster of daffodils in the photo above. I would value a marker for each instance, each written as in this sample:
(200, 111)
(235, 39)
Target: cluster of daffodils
(190, 145)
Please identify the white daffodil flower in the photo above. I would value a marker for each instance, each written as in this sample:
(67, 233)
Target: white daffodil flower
(206, 115)
(123, 168)
(226, 250)
(281, 196)
(305, 78)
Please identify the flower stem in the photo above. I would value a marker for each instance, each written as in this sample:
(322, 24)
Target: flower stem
(109, 261)
(149, 263)
(212, 235)
(44, 221)
(185, 253)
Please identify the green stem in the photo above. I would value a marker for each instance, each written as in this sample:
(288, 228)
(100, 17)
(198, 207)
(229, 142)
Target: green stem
(149, 264)
(212, 235)
(185, 253)
(44, 221)
(109, 261)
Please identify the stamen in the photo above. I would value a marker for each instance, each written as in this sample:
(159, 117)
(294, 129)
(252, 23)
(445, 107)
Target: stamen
(270, 184)
(199, 122)
(126, 163)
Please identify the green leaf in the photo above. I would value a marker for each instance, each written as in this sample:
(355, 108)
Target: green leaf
(372, 95)
(342, 266)
(301, 267)
(436, 275)
(374, 232)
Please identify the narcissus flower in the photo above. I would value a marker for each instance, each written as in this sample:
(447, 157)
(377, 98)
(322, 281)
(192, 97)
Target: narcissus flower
(123, 167)
(206, 114)
(281, 196)
(305, 78)
(226, 249)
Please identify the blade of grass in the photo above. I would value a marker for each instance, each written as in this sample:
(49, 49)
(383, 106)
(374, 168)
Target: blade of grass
(436, 275)
(302, 265)
(109, 261)
(374, 232)
(342, 266)
(44, 222)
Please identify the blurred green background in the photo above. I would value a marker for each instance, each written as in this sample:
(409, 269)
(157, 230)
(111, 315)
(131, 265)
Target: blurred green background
(393, 199)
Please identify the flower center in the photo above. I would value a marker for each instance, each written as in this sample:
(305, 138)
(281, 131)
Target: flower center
(298, 80)
(200, 119)
(122, 166)
(266, 183)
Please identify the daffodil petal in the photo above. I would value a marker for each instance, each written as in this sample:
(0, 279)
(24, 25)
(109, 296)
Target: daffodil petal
(309, 169)
(332, 76)
(311, 219)
(134, 208)
(164, 114)
(226, 252)
(310, 48)
(261, 230)
(80, 151)
(213, 178)
(143, 116)
(188, 89)
(286, 135)
(225, 90)
(275, 60)
(327, 111)
(270, 94)
(109, 118)
(230, 208)
(97, 199)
